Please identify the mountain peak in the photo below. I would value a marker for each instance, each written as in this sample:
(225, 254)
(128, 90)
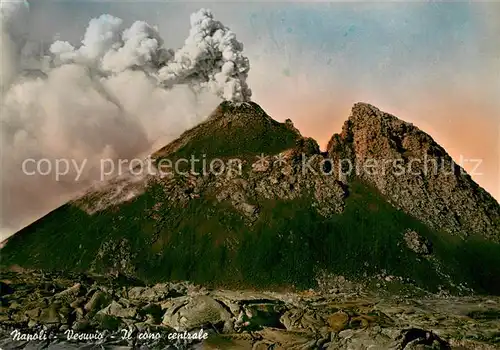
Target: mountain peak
(388, 133)
(364, 109)
(233, 129)
(414, 172)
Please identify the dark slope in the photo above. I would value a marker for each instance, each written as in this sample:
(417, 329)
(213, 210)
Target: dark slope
(272, 225)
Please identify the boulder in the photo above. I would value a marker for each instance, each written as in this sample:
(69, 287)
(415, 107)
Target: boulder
(156, 293)
(70, 293)
(338, 321)
(417, 243)
(98, 301)
(201, 311)
(50, 315)
(117, 310)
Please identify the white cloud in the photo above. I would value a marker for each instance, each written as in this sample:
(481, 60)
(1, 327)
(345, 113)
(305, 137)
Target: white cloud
(118, 93)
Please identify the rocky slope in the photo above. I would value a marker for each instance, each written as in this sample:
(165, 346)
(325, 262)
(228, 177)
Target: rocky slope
(63, 307)
(273, 211)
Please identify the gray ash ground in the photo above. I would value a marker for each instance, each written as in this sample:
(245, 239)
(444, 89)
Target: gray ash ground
(351, 318)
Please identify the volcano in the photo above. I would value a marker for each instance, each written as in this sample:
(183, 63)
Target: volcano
(243, 200)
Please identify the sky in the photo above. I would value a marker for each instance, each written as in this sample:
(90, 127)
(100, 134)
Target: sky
(436, 65)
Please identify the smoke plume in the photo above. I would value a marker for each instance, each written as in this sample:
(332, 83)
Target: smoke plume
(117, 94)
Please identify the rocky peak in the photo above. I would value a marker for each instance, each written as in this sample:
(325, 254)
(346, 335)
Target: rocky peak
(390, 134)
(414, 172)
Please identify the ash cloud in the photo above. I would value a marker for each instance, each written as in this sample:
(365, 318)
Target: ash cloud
(118, 93)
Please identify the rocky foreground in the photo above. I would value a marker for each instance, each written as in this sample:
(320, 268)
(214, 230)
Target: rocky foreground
(87, 312)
